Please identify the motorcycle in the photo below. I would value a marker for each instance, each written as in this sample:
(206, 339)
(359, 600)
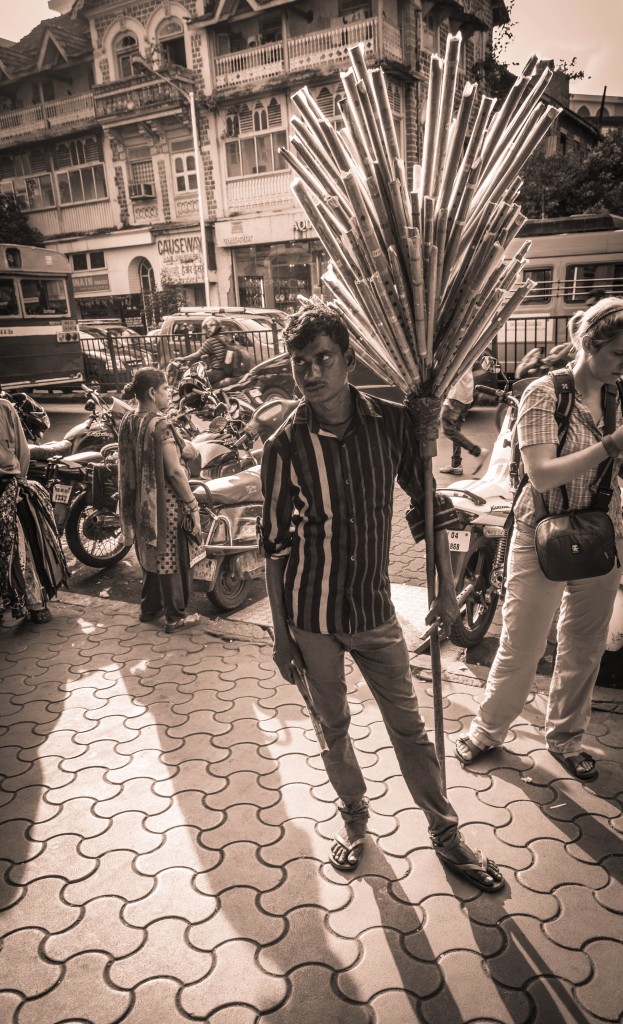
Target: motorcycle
(100, 428)
(92, 527)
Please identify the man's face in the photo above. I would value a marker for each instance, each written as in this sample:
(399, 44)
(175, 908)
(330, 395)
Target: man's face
(321, 369)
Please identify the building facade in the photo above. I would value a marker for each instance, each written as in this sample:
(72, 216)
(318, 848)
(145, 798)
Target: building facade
(604, 111)
(96, 134)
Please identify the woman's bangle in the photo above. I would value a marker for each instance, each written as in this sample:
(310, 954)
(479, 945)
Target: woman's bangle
(611, 446)
(192, 503)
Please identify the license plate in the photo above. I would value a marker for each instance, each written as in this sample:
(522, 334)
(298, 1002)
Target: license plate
(61, 493)
(459, 539)
(206, 570)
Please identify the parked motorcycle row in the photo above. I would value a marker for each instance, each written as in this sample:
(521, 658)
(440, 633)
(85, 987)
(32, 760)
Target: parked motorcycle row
(227, 429)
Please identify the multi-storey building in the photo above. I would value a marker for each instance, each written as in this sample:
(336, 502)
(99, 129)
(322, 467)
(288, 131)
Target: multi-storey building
(95, 134)
(604, 111)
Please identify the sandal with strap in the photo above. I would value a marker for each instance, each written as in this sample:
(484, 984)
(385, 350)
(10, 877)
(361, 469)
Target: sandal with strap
(468, 751)
(472, 871)
(354, 849)
(572, 763)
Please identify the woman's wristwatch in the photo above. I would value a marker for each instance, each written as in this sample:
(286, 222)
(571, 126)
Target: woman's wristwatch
(611, 446)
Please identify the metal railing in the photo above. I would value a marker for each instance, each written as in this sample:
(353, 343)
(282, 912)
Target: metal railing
(520, 334)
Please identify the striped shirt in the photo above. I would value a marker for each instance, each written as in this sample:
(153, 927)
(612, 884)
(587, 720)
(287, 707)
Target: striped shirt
(214, 351)
(536, 425)
(328, 509)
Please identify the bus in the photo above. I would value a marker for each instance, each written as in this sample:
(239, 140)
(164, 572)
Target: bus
(39, 337)
(573, 261)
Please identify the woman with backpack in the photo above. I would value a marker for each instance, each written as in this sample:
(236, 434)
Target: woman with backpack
(565, 465)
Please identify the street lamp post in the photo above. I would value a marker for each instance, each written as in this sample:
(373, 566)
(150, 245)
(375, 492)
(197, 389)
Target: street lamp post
(190, 97)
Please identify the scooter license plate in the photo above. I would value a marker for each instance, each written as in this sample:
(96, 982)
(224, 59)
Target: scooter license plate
(61, 493)
(459, 540)
(206, 570)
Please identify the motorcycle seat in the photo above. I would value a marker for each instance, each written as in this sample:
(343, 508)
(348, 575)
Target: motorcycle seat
(49, 450)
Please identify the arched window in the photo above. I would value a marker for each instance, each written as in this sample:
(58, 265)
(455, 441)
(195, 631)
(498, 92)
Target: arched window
(584, 111)
(170, 36)
(126, 49)
(257, 152)
(146, 277)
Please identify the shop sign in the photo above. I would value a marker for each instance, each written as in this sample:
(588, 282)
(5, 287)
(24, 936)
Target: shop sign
(301, 227)
(238, 240)
(181, 258)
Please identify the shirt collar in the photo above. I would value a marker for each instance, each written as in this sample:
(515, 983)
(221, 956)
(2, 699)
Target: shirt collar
(364, 405)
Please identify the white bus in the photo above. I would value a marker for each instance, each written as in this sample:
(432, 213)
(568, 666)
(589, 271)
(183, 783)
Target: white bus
(573, 262)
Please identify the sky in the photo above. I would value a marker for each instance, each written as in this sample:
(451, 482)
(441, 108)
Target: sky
(591, 30)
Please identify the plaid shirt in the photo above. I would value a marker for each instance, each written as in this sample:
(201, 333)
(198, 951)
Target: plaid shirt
(536, 425)
(328, 509)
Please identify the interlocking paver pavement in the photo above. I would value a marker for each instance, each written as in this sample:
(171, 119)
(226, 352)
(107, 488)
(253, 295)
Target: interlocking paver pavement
(164, 826)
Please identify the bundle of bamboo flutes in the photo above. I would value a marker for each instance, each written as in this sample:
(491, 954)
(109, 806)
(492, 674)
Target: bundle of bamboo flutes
(418, 261)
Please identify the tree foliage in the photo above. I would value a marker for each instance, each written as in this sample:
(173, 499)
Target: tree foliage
(558, 186)
(14, 226)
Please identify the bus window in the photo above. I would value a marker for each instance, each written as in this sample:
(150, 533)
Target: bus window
(584, 280)
(8, 297)
(542, 291)
(44, 296)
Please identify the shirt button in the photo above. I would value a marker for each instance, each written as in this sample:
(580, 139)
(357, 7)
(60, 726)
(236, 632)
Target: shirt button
(352, 558)
(347, 480)
(351, 520)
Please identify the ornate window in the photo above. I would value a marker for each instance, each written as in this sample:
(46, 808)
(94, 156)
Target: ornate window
(170, 36)
(328, 100)
(25, 174)
(259, 138)
(146, 277)
(80, 171)
(126, 49)
(185, 172)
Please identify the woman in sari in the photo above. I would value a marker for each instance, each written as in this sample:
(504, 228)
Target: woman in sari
(154, 497)
(32, 564)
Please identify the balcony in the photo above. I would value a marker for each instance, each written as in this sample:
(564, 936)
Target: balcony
(81, 219)
(324, 50)
(258, 192)
(48, 119)
(134, 99)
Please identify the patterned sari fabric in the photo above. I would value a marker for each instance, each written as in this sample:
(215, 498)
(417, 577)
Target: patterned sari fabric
(32, 563)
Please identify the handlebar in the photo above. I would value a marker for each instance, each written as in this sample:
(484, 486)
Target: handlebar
(504, 396)
(484, 390)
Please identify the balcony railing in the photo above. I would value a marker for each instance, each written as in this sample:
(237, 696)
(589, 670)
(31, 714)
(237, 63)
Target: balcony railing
(47, 117)
(134, 98)
(81, 219)
(258, 191)
(328, 47)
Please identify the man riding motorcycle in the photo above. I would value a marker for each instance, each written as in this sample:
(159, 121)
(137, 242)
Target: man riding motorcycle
(223, 360)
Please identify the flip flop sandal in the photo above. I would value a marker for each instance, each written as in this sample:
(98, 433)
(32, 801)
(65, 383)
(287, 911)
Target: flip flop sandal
(471, 871)
(355, 847)
(572, 762)
(474, 751)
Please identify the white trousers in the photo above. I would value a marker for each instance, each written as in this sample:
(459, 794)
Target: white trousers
(529, 607)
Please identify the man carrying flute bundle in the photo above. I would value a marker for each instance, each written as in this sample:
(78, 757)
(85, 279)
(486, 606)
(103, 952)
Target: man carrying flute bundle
(328, 478)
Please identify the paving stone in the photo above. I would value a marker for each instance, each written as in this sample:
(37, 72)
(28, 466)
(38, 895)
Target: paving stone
(191, 748)
(15, 842)
(136, 795)
(157, 1000)
(296, 838)
(173, 889)
(189, 775)
(60, 857)
(99, 929)
(12, 764)
(30, 802)
(239, 916)
(611, 896)
(308, 939)
(371, 906)
(144, 765)
(394, 1006)
(62, 743)
(555, 1000)
(150, 737)
(243, 757)
(603, 993)
(188, 807)
(554, 866)
(383, 767)
(203, 723)
(470, 994)
(574, 798)
(114, 727)
(235, 978)
(243, 788)
(180, 848)
(72, 816)
(159, 713)
(21, 966)
(581, 918)
(311, 988)
(286, 740)
(115, 706)
(37, 711)
(410, 832)
(24, 735)
(241, 708)
(609, 784)
(114, 877)
(596, 840)
(160, 692)
(240, 822)
(448, 927)
(509, 785)
(384, 964)
(296, 801)
(83, 993)
(9, 894)
(9, 1005)
(529, 951)
(531, 821)
(40, 907)
(89, 782)
(240, 862)
(488, 839)
(427, 877)
(103, 754)
(374, 790)
(126, 831)
(165, 952)
(304, 885)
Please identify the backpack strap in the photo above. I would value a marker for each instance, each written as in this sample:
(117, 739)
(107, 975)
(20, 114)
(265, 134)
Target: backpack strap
(564, 388)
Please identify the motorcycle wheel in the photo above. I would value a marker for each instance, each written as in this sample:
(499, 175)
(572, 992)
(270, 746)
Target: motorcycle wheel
(230, 589)
(92, 543)
(476, 618)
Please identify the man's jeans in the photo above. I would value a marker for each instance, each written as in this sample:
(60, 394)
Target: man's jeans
(382, 656)
(529, 607)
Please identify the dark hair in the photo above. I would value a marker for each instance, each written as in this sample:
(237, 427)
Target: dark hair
(598, 324)
(304, 326)
(145, 378)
